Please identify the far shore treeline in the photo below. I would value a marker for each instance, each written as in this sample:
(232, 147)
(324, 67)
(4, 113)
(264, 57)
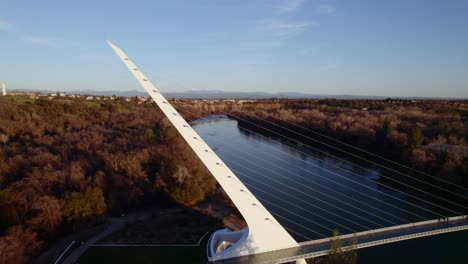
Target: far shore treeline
(428, 135)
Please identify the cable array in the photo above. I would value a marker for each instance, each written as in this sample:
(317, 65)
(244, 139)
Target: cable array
(361, 176)
(308, 187)
(351, 172)
(292, 173)
(270, 180)
(372, 154)
(386, 177)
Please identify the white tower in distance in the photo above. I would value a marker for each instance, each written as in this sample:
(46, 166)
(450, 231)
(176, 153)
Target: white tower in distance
(3, 89)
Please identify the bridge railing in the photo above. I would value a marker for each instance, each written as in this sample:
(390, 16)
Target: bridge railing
(391, 228)
(321, 247)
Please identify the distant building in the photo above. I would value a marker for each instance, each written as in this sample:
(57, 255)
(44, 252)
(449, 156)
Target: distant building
(142, 99)
(3, 89)
(245, 101)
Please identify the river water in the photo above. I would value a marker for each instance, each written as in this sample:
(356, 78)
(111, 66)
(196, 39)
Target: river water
(311, 193)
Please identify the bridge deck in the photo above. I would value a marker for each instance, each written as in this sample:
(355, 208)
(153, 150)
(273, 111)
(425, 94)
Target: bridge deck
(365, 239)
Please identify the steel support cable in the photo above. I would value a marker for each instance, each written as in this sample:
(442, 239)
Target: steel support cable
(297, 233)
(291, 212)
(325, 187)
(328, 145)
(306, 194)
(313, 231)
(370, 153)
(311, 196)
(341, 176)
(299, 199)
(367, 170)
(349, 171)
(342, 185)
(315, 190)
(301, 208)
(292, 221)
(284, 209)
(182, 85)
(308, 203)
(314, 197)
(269, 186)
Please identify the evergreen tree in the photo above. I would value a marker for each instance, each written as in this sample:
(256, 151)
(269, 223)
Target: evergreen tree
(338, 255)
(417, 137)
(82, 205)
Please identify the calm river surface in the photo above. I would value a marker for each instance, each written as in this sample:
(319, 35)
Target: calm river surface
(311, 195)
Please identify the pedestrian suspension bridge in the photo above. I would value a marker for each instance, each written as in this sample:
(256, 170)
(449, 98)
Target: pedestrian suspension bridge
(440, 207)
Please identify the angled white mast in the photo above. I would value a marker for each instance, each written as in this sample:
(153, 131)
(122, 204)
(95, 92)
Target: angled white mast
(263, 233)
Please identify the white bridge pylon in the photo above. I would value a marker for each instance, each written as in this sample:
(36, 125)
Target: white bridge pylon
(263, 233)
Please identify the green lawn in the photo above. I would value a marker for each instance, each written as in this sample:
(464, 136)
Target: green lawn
(144, 255)
(20, 98)
(148, 254)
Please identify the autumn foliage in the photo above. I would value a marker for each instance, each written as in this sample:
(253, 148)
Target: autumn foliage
(428, 135)
(66, 163)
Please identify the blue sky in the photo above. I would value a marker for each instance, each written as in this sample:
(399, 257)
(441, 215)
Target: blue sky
(367, 47)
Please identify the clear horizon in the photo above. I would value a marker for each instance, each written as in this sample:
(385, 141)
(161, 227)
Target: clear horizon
(374, 48)
(254, 93)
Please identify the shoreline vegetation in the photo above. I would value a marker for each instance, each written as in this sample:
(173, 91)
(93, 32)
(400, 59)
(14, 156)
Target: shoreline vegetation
(429, 136)
(67, 164)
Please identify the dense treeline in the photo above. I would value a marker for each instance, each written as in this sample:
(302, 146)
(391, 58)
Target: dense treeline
(431, 136)
(65, 164)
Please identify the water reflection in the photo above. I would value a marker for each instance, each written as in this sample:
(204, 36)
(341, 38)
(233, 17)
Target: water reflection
(310, 192)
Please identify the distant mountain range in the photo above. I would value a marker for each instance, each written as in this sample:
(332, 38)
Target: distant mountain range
(215, 94)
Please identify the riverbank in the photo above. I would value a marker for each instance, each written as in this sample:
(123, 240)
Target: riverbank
(428, 136)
